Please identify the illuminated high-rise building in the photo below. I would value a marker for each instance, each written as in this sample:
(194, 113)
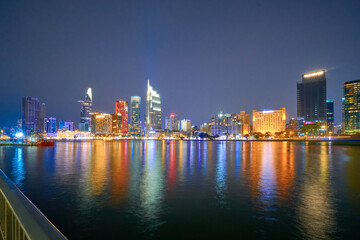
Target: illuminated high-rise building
(311, 97)
(185, 125)
(244, 119)
(85, 110)
(135, 115)
(122, 107)
(116, 123)
(32, 115)
(153, 109)
(172, 122)
(64, 125)
(225, 124)
(352, 107)
(330, 115)
(269, 121)
(50, 126)
(101, 123)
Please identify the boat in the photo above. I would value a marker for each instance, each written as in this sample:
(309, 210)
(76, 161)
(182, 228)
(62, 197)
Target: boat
(47, 143)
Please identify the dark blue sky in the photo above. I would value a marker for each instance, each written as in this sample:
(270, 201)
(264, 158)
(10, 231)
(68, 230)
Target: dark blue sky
(201, 56)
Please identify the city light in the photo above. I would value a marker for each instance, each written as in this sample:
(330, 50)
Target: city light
(314, 74)
(19, 135)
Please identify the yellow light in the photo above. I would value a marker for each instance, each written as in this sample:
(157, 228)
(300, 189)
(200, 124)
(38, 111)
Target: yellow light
(314, 74)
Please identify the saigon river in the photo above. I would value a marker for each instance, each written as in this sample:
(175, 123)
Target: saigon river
(151, 189)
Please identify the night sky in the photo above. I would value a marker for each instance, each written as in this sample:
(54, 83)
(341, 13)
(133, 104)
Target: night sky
(201, 56)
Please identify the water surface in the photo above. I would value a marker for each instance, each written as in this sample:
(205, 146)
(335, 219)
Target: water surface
(192, 189)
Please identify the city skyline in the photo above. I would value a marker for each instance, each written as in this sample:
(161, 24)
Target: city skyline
(244, 58)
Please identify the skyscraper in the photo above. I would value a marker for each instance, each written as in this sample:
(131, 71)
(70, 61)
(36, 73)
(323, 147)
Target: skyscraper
(116, 123)
(32, 115)
(122, 107)
(311, 97)
(85, 110)
(172, 122)
(352, 107)
(135, 115)
(244, 119)
(225, 124)
(185, 125)
(69, 126)
(50, 126)
(153, 109)
(330, 115)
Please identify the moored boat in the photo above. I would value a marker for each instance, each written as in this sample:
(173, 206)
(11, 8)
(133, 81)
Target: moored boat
(46, 143)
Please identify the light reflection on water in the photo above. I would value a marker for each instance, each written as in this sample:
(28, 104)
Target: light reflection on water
(151, 189)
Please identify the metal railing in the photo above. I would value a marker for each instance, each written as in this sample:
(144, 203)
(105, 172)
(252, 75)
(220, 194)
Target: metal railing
(19, 218)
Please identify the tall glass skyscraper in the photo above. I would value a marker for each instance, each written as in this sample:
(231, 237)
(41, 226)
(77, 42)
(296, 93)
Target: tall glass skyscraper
(311, 97)
(352, 107)
(50, 126)
(153, 109)
(85, 110)
(135, 115)
(32, 115)
(122, 107)
(330, 115)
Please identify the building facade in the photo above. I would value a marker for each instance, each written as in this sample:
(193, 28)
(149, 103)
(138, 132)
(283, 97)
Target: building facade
(311, 97)
(269, 121)
(135, 115)
(292, 125)
(32, 116)
(330, 116)
(244, 119)
(116, 123)
(85, 110)
(50, 126)
(351, 112)
(100, 123)
(64, 125)
(153, 109)
(225, 124)
(172, 123)
(122, 108)
(185, 125)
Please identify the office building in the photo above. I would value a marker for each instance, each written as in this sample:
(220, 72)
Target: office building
(101, 123)
(66, 125)
(292, 125)
(330, 116)
(225, 124)
(32, 116)
(172, 123)
(116, 123)
(85, 110)
(50, 126)
(244, 119)
(352, 107)
(311, 97)
(269, 121)
(153, 109)
(122, 108)
(185, 125)
(135, 115)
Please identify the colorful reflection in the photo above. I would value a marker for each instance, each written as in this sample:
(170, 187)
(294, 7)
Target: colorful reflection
(316, 209)
(147, 187)
(18, 173)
